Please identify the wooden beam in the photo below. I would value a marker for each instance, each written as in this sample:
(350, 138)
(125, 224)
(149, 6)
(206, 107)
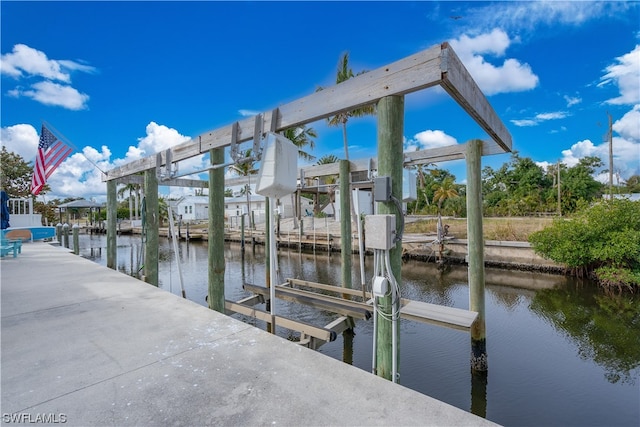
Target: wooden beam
(294, 325)
(322, 302)
(329, 288)
(316, 171)
(435, 65)
(179, 182)
(457, 81)
(440, 315)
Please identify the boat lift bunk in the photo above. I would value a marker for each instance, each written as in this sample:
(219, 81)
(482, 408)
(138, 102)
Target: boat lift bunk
(342, 304)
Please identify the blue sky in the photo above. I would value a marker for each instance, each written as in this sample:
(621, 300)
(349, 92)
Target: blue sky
(122, 80)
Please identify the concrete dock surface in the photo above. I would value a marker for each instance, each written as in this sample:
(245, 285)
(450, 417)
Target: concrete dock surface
(89, 346)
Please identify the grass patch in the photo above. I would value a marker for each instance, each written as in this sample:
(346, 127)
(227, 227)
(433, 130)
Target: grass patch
(512, 229)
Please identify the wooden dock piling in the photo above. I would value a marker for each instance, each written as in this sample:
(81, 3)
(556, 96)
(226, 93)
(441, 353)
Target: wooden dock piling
(112, 215)
(216, 232)
(345, 223)
(152, 213)
(390, 162)
(476, 255)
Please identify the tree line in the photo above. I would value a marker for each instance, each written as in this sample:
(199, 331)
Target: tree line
(520, 187)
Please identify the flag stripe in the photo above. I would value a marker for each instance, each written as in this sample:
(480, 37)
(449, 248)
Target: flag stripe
(51, 153)
(54, 158)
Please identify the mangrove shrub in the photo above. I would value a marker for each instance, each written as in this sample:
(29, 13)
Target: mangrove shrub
(603, 240)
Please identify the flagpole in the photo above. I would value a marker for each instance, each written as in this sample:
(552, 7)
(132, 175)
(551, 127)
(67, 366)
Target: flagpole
(69, 143)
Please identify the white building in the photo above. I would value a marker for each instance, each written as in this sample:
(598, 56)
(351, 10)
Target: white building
(196, 208)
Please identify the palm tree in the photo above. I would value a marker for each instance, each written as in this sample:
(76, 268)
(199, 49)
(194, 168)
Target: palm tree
(331, 179)
(301, 137)
(327, 159)
(131, 188)
(443, 191)
(246, 168)
(422, 185)
(343, 74)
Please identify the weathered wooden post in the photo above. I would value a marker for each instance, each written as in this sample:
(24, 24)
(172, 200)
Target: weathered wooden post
(152, 221)
(216, 231)
(65, 233)
(112, 215)
(476, 255)
(59, 233)
(345, 223)
(390, 162)
(76, 239)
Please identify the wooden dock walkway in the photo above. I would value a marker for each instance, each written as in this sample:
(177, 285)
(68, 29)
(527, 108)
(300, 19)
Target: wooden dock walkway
(92, 346)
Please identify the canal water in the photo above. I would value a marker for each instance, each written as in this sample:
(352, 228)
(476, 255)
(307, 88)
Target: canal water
(560, 352)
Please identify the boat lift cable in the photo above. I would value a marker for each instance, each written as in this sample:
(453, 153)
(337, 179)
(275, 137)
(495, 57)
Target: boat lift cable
(356, 205)
(143, 234)
(176, 253)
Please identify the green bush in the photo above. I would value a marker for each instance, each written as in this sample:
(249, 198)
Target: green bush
(603, 239)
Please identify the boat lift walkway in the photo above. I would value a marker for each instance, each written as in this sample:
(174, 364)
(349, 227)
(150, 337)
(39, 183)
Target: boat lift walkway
(90, 346)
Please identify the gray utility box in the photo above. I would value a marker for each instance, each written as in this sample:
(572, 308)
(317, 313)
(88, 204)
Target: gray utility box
(380, 231)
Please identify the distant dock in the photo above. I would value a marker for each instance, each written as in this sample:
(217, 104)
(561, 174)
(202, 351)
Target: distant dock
(92, 346)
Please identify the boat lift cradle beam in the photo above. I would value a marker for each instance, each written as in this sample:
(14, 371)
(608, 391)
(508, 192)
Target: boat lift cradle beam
(450, 317)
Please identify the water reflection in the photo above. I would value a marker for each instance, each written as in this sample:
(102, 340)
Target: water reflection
(605, 328)
(558, 353)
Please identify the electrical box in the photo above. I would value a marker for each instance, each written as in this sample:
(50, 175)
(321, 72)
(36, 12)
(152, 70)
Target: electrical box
(380, 286)
(382, 189)
(279, 168)
(409, 190)
(380, 231)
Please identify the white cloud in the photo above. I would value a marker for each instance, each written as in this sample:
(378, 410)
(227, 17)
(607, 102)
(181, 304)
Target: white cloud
(524, 122)
(529, 15)
(20, 139)
(28, 63)
(495, 43)
(571, 100)
(551, 116)
(159, 138)
(625, 73)
(541, 117)
(544, 165)
(50, 93)
(511, 76)
(248, 113)
(628, 126)
(626, 155)
(26, 60)
(580, 149)
(429, 139)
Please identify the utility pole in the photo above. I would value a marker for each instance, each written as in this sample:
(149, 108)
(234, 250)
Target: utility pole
(559, 204)
(610, 137)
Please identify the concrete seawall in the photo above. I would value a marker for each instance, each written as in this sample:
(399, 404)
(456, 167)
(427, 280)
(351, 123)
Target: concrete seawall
(507, 254)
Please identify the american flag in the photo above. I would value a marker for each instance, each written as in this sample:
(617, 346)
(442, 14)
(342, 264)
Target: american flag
(51, 152)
